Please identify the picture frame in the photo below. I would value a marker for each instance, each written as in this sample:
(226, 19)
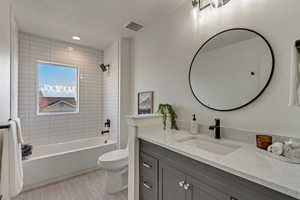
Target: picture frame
(145, 102)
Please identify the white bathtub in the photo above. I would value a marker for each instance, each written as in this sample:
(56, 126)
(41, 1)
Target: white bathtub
(56, 162)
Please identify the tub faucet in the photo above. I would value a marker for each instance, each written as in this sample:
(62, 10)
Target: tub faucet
(216, 127)
(103, 132)
(107, 126)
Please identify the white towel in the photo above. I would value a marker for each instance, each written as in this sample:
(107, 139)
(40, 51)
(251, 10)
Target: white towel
(294, 98)
(276, 148)
(19, 130)
(298, 85)
(11, 165)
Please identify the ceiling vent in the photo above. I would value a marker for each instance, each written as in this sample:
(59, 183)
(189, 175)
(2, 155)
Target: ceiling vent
(134, 26)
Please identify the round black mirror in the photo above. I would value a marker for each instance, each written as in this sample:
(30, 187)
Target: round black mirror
(231, 69)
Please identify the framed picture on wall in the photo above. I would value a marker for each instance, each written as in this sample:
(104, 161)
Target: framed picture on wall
(145, 102)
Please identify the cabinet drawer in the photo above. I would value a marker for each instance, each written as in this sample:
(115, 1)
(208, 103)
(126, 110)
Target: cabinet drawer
(148, 189)
(148, 177)
(148, 166)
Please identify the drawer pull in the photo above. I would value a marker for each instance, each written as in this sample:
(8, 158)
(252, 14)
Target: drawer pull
(181, 184)
(146, 165)
(147, 186)
(187, 186)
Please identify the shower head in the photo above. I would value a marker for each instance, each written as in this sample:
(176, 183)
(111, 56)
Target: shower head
(104, 68)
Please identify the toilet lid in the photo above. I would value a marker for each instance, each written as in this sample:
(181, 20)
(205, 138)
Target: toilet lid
(114, 155)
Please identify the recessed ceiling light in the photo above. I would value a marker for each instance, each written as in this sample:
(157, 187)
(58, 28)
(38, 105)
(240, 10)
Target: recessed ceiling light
(75, 37)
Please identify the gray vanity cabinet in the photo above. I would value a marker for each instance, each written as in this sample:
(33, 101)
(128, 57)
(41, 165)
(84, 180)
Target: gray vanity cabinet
(201, 191)
(175, 185)
(171, 183)
(166, 175)
(148, 177)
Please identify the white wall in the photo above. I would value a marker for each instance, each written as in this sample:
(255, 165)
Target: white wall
(125, 58)
(49, 129)
(163, 53)
(5, 60)
(117, 89)
(14, 66)
(110, 87)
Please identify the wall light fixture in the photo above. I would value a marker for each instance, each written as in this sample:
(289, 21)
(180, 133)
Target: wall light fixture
(76, 38)
(197, 5)
(202, 4)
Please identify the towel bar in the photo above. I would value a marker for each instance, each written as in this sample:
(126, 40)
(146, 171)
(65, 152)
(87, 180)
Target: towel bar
(6, 126)
(297, 45)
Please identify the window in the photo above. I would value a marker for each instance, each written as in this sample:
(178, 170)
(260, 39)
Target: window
(57, 89)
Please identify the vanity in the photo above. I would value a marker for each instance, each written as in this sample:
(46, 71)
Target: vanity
(166, 175)
(171, 165)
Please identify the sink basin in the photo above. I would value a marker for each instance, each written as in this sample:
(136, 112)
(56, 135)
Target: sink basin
(219, 147)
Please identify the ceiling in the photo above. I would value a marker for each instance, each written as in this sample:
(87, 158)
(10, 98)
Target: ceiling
(97, 22)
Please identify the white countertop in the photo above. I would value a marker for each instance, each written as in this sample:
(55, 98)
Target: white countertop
(245, 162)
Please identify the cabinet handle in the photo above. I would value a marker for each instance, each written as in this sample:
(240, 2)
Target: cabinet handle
(181, 183)
(147, 186)
(147, 165)
(187, 186)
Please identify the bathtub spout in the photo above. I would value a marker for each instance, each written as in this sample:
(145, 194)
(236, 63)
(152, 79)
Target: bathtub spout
(103, 132)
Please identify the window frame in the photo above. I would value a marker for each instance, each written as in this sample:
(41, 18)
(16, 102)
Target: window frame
(38, 113)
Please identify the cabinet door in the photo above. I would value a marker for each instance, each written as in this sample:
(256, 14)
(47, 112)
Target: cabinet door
(200, 191)
(171, 183)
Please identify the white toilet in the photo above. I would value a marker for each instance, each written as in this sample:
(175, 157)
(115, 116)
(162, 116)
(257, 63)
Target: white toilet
(115, 163)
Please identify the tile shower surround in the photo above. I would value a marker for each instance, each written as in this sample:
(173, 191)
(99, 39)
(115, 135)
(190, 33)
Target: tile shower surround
(48, 129)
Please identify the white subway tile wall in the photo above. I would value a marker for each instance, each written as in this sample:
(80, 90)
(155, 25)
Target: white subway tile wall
(49, 129)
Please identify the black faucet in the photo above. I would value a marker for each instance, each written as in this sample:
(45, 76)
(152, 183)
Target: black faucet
(216, 127)
(106, 125)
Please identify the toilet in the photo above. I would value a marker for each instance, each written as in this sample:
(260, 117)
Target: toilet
(115, 164)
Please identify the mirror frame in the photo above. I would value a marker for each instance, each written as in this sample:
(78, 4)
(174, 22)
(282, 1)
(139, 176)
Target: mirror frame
(259, 94)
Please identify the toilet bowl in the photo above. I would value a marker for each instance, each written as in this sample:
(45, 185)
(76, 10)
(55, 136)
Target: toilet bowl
(115, 164)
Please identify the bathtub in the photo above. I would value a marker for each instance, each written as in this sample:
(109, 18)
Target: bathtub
(56, 162)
